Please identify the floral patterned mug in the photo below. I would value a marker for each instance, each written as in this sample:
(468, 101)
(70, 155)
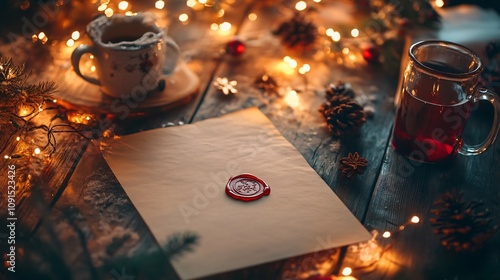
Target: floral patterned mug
(130, 55)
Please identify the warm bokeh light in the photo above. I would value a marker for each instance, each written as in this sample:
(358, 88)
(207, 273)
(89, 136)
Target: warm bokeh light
(292, 99)
(415, 219)
(329, 32)
(225, 26)
(160, 4)
(102, 7)
(290, 61)
(70, 42)
(300, 6)
(109, 12)
(18, 138)
(386, 234)
(75, 35)
(6, 157)
(37, 151)
(202, 2)
(92, 68)
(190, 3)
(41, 35)
(345, 50)
(355, 32)
(123, 5)
(336, 36)
(346, 271)
(439, 3)
(252, 17)
(304, 69)
(183, 18)
(214, 26)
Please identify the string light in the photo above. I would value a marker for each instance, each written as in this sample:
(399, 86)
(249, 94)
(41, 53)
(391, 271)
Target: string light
(92, 68)
(159, 4)
(252, 17)
(354, 32)
(336, 36)
(75, 35)
(214, 26)
(123, 5)
(345, 50)
(290, 61)
(37, 151)
(300, 6)
(329, 32)
(292, 99)
(225, 26)
(183, 18)
(190, 3)
(102, 7)
(304, 69)
(369, 253)
(347, 271)
(109, 12)
(18, 138)
(6, 157)
(439, 3)
(70, 42)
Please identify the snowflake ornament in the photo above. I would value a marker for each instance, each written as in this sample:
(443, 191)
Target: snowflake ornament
(225, 85)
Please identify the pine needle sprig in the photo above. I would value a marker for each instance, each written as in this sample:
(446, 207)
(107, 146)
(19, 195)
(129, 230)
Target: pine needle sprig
(180, 243)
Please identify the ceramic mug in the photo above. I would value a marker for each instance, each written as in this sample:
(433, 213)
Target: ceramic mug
(438, 93)
(130, 55)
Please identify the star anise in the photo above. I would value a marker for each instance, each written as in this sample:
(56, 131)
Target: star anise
(353, 165)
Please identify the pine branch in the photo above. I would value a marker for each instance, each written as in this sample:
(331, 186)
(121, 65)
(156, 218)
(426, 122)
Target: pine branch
(180, 243)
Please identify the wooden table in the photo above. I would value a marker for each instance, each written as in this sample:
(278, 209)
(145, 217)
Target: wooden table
(83, 216)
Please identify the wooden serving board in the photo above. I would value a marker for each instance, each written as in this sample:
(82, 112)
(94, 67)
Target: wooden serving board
(76, 94)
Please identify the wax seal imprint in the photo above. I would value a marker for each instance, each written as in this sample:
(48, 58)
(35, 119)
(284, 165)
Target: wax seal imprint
(246, 187)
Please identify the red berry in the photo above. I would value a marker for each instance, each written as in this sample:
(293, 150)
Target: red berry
(235, 47)
(371, 53)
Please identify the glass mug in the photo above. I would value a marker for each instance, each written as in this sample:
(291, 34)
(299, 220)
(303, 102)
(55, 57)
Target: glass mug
(438, 91)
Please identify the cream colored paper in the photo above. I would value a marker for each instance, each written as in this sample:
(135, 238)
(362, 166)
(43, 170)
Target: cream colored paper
(176, 177)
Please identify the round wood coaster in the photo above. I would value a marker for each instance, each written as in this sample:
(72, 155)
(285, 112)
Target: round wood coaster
(75, 93)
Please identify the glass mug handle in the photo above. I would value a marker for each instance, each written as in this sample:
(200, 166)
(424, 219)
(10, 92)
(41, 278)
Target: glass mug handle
(487, 95)
(75, 61)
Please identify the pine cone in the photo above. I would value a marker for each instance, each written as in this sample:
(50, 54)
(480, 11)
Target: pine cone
(339, 89)
(353, 165)
(462, 226)
(297, 32)
(334, 101)
(345, 118)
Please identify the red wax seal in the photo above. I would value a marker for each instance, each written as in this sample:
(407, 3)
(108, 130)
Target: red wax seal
(246, 187)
